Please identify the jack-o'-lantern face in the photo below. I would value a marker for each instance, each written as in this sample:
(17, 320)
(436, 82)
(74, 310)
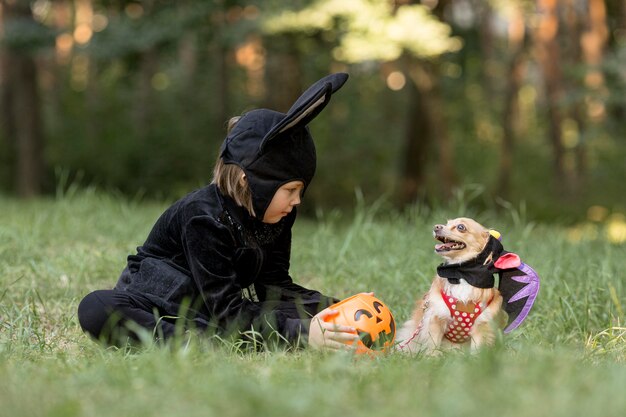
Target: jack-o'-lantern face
(372, 319)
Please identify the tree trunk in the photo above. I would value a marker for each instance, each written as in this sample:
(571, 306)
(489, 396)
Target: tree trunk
(23, 107)
(549, 58)
(486, 36)
(9, 130)
(426, 124)
(592, 44)
(223, 81)
(417, 140)
(283, 73)
(144, 102)
(576, 111)
(220, 53)
(29, 130)
(514, 82)
(447, 173)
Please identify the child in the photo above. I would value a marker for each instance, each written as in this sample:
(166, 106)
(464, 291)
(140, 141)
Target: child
(218, 259)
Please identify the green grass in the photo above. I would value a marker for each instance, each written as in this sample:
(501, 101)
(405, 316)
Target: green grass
(568, 359)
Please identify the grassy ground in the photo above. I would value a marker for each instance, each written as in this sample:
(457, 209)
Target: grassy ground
(568, 359)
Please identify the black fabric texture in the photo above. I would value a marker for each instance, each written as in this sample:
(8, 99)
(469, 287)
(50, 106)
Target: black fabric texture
(106, 316)
(274, 148)
(474, 271)
(203, 252)
(508, 288)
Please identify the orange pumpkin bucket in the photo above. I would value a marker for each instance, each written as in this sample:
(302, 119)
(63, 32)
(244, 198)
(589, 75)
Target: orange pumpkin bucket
(372, 320)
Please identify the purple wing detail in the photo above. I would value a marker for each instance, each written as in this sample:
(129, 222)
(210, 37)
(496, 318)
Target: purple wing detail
(529, 291)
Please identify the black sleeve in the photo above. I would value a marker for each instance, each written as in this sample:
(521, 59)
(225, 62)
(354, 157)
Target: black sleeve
(209, 249)
(279, 284)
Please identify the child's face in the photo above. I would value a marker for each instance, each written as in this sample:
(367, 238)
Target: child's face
(285, 199)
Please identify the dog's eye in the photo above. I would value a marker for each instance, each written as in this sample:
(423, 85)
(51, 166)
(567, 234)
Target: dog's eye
(461, 228)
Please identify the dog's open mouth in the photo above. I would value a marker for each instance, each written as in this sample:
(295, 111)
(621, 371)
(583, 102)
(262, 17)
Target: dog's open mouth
(448, 244)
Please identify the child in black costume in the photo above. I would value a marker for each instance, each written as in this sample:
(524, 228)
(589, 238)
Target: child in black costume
(218, 259)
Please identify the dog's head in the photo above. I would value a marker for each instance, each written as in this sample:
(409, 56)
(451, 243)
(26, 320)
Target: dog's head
(461, 239)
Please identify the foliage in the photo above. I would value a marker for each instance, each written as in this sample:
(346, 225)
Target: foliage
(140, 108)
(616, 79)
(25, 35)
(54, 251)
(369, 30)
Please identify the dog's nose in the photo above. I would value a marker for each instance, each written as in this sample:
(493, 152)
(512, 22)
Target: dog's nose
(438, 227)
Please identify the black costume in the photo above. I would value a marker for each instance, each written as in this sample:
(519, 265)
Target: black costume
(207, 261)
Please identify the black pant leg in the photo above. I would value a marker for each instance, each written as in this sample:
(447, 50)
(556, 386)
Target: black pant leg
(112, 316)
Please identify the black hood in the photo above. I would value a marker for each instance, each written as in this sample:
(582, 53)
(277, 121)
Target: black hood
(274, 148)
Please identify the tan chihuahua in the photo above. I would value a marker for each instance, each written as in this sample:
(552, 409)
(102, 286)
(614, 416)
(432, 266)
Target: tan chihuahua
(462, 307)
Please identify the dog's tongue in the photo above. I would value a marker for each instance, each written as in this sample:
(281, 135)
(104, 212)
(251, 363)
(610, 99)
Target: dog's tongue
(444, 246)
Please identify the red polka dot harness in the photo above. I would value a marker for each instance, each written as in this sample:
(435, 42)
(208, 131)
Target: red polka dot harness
(463, 317)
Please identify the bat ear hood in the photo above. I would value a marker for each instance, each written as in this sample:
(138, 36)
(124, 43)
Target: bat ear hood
(307, 106)
(274, 148)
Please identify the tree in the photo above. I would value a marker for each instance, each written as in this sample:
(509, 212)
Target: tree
(409, 37)
(515, 70)
(21, 98)
(592, 41)
(550, 60)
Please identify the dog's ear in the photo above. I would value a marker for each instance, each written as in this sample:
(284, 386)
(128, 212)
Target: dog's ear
(307, 106)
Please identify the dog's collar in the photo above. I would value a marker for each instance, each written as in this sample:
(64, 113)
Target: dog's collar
(478, 272)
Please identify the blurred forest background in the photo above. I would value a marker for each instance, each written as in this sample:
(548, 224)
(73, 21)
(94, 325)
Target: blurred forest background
(518, 103)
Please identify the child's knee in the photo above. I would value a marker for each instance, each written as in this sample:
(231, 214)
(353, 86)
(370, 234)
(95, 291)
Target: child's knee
(93, 312)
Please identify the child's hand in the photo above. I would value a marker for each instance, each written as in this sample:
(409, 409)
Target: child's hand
(326, 335)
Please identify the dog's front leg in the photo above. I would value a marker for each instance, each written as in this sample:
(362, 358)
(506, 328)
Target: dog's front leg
(433, 335)
(484, 332)
(482, 335)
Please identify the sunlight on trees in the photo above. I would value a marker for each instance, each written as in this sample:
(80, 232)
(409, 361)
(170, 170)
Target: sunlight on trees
(132, 91)
(371, 30)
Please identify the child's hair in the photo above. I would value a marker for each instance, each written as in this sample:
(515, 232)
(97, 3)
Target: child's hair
(228, 178)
